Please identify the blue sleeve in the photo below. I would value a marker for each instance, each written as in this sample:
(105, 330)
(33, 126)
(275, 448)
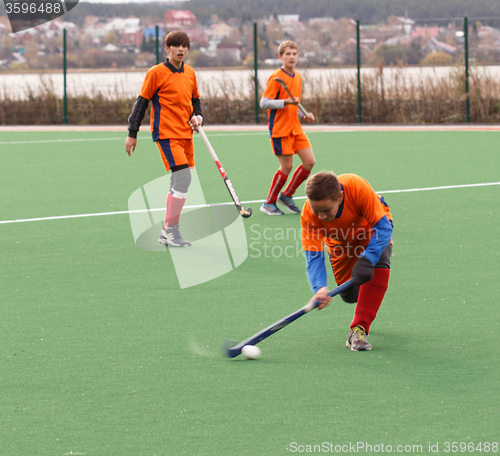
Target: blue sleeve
(380, 240)
(315, 270)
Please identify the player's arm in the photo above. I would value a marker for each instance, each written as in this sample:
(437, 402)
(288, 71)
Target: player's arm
(197, 117)
(134, 123)
(316, 275)
(137, 115)
(312, 244)
(362, 271)
(270, 98)
(268, 103)
(382, 235)
(149, 87)
(372, 211)
(309, 119)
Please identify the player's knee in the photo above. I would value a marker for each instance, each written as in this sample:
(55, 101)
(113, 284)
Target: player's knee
(179, 182)
(286, 169)
(350, 295)
(308, 165)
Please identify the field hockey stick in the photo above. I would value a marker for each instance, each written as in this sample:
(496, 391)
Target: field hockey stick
(230, 349)
(283, 83)
(244, 213)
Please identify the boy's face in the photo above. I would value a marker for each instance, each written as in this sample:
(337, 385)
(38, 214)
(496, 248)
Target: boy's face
(326, 209)
(177, 54)
(289, 57)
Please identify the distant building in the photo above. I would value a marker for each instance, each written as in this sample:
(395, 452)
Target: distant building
(111, 48)
(425, 32)
(320, 21)
(440, 46)
(120, 24)
(229, 52)
(179, 19)
(408, 24)
(196, 36)
(131, 38)
(220, 30)
(150, 32)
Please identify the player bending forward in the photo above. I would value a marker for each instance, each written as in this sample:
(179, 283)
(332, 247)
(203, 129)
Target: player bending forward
(355, 224)
(176, 111)
(285, 130)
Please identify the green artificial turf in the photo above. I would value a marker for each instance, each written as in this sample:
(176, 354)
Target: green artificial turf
(102, 352)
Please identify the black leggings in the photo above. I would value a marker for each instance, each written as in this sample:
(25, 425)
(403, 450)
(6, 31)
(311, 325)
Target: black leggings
(351, 294)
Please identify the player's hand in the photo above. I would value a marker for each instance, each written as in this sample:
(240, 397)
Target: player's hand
(195, 122)
(292, 100)
(362, 271)
(322, 295)
(130, 144)
(309, 119)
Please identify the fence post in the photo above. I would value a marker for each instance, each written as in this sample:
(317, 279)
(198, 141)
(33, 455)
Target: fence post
(157, 45)
(65, 99)
(358, 59)
(466, 45)
(255, 69)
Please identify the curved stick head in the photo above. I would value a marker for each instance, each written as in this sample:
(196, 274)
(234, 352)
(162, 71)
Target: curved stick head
(246, 213)
(226, 345)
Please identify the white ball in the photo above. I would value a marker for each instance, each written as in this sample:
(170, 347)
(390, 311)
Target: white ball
(251, 352)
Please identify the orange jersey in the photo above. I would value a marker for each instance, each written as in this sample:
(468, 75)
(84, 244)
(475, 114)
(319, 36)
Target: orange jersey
(284, 122)
(349, 233)
(171, 93)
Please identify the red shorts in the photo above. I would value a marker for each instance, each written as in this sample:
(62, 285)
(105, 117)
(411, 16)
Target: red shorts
(176, 152)
(289, 145)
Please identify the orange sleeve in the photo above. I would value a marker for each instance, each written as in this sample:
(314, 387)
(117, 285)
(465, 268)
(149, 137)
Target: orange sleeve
(272, 88)
(150, 84)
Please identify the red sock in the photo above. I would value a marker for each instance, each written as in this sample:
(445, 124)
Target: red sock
(174, 208)
(370, 297)
(299, 176)
(279, 181)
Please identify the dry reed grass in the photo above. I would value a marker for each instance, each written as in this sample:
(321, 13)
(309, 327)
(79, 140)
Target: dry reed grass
(393, 100)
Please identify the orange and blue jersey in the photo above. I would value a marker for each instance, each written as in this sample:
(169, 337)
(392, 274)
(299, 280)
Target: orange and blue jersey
(362, 227)
(171, 92)
(285, 121)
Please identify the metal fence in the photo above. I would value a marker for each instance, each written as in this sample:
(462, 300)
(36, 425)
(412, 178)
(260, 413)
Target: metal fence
(355, 82)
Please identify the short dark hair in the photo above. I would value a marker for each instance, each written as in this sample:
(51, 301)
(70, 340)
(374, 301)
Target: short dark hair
(177, 38)
(323, 185)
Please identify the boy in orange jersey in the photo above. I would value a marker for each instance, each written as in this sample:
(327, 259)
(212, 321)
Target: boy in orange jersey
(172, 88)
(356, 225)
(285, 131)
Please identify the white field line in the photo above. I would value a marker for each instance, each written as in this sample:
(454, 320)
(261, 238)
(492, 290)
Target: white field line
(262, 132)
(121, 138)
(99, 214)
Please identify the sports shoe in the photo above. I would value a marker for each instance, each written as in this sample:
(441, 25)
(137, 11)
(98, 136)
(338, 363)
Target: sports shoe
(171, 236)
(287, 201)
(271, 209)
(357, 339)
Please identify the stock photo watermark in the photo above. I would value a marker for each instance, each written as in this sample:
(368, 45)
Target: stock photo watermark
(267, 242)
(216, 232)
(26, 14)
(366, 447)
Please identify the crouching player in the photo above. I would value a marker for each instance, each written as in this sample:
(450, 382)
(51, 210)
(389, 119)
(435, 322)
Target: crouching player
(356, 225)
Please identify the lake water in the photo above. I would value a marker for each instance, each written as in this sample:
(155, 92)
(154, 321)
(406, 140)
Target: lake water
(232, 82)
